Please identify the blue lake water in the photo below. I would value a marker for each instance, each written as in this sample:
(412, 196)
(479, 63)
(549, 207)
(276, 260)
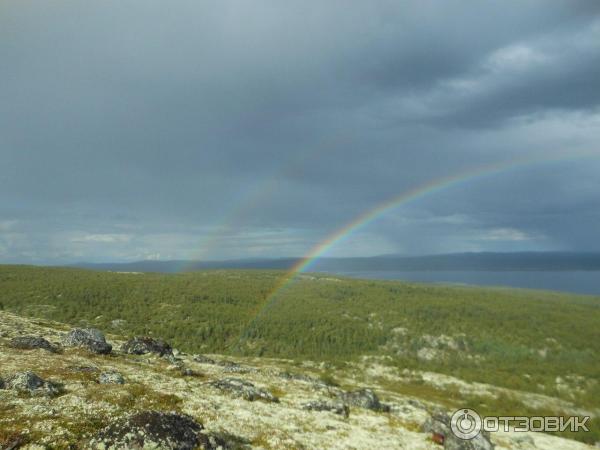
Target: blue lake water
(580, 282)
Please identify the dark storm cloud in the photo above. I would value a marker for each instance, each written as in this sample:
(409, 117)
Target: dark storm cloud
(132, 130)
(558, 73)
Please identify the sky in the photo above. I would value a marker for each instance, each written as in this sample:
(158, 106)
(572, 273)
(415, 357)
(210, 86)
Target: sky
(134, 130)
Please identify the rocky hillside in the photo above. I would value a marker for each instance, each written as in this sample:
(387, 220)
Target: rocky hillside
(63, 388)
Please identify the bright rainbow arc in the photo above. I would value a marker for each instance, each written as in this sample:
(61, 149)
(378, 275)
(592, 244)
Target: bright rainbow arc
(403, 199)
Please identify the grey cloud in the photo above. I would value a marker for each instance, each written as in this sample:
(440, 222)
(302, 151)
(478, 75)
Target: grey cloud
(259, 129)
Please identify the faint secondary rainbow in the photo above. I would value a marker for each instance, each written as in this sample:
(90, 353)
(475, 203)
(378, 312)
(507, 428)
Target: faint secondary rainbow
(252, 197)
(406, 197)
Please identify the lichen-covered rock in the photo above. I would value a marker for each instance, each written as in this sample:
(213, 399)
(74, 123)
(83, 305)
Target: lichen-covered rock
(364, 398)
(29, 382)
(335, 407)
(154, 430)
(178, 364)
(203, 359)
(111, 378)
(243, 389)
(24, 381)
(232, 367)
(140, 345)
(90, 338)
(32, 342)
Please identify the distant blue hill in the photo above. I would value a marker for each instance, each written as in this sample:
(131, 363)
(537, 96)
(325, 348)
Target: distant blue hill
(515, 261)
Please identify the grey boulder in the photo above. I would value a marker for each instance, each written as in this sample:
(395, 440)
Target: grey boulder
(335, 407)
(111, 377)
(156, 430)
(30, 383)
(90, 338)
(32, 342)
(140, 345)
(364, 398)
(243, 389)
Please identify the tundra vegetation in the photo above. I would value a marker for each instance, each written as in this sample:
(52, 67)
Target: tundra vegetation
(445, 344)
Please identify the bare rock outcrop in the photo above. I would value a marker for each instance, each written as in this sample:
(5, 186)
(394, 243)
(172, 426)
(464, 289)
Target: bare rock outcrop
(30, 383)
(32, 342)
(203, 359)
(243, 389)
(364, 398)
(156, 430)
(89, 338)
(335, 407)
(141, 345)
(111, 377)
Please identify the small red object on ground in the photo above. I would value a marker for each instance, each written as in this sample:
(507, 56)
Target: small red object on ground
(438, 438)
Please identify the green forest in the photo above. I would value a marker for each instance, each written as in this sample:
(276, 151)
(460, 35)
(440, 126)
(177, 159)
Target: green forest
(319, 317)
(520, 339)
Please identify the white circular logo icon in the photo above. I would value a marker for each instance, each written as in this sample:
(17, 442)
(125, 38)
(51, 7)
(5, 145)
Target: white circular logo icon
(465, 424)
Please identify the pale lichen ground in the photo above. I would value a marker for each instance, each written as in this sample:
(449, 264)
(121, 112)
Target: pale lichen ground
(153, 383)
